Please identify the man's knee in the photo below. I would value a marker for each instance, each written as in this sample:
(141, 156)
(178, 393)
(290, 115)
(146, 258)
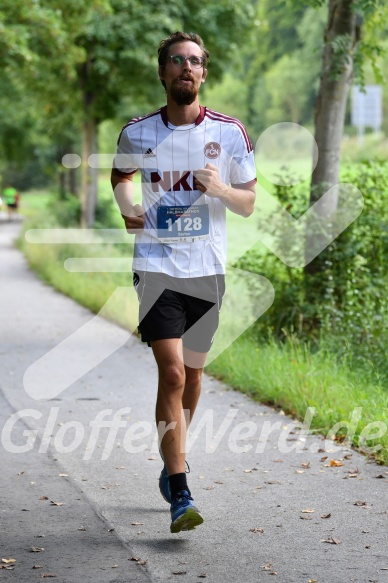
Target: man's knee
(193, 378)
(172, 377)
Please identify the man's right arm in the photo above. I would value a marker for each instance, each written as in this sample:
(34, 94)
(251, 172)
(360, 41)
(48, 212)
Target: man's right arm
(123, 188)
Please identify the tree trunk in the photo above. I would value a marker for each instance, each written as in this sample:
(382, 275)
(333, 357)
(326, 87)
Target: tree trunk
(62, 183)
(73, 182)
(89, 145)
(89, 175)
(336, 78)
(331, 102)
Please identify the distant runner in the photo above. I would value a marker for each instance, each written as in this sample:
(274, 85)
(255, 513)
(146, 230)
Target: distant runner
(11, 199)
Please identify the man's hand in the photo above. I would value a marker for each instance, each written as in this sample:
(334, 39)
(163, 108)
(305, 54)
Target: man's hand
(135, 223)
(207, 180)
(239, 200)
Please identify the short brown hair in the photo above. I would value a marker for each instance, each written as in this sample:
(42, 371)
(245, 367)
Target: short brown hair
(177, 37)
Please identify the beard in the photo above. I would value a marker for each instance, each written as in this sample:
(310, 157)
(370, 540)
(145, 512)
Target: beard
(182, 93)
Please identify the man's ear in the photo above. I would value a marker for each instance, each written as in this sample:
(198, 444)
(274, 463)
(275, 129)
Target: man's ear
(204, 75)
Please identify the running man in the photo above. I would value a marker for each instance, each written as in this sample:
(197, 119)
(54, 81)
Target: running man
(194, 163)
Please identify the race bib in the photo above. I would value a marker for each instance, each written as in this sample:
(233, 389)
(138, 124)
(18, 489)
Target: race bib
(183, 223)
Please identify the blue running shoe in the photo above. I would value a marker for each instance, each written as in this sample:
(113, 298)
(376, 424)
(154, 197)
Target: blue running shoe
(184, 514)
(164, 485)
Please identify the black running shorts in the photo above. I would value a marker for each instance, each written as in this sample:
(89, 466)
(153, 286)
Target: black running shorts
(172, 307)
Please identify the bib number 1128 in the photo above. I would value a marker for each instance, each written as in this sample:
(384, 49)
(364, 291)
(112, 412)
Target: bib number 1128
(186, 224)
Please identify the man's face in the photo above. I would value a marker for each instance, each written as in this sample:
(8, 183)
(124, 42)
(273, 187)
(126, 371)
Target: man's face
(183, 81)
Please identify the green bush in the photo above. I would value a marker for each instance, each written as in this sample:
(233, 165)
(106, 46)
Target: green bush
(349, 312)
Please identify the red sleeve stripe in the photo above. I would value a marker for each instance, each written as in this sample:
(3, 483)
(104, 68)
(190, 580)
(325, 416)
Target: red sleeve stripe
(245, 184)
(214, 115)
(136, 120)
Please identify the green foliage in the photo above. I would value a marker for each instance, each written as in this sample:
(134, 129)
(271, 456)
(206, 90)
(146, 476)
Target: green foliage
(65, 212)
(353, 315)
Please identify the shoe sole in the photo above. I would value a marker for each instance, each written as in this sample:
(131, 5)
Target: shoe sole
(187, 521)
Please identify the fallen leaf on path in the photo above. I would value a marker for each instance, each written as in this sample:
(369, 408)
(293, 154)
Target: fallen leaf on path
(63, 475)
(137, 523)
(43, 498)
(37, 549)
(202, 575)
(332, 541)
(53, 503)
(380, 476)
(261, 530)
(279, 461)
(138, 560)
(267, 567)
(273, 482)
(247, 471)
(326, 515)
(37, 567)
(348, 456)
(299, 471)
(43, 575)
(114, 566)
(306, 517)
(7, 561)
(209, 488)
(82, 528)
(361, 503)
(324, 458)
(7, 567)
(305, 465)
(218, 483)
(152, 458)
(312, 581)
(179, 572)
(308, 511)
(335, 463)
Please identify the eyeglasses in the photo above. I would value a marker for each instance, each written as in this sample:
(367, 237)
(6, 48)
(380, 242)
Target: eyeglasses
(180, 60)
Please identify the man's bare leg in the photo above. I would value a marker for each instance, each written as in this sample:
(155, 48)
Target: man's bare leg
(179, 389)
(169, 402)
(194, 363)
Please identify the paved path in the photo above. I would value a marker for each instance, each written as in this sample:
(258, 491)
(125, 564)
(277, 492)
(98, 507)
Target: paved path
(253, 492)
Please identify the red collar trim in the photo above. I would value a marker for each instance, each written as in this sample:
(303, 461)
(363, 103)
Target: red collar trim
(200, 118)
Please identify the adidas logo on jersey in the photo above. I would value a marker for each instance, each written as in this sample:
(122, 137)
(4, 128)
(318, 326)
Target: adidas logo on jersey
(149, 154)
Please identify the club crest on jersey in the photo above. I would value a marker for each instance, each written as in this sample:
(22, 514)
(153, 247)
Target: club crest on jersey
(212, 150)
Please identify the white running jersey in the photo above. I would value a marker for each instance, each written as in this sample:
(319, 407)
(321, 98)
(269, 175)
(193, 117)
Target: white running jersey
(185, 230)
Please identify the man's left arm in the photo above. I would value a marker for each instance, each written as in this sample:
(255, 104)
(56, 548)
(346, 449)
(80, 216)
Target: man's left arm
(238, 200)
